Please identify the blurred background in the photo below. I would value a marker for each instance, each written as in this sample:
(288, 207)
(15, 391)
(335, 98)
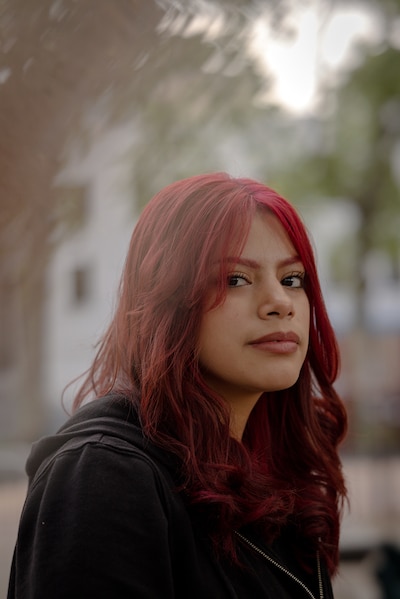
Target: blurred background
(104, 102)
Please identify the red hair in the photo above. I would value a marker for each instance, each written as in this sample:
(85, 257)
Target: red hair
(286, 471)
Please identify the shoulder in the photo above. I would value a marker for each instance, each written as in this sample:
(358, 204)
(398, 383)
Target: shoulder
(104, 486)
(98, 494)
(99, 450)
(98, 456)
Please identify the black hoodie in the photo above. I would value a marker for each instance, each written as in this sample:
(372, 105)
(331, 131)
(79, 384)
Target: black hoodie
(103, 519)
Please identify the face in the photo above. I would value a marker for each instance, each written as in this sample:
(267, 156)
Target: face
(257, 340)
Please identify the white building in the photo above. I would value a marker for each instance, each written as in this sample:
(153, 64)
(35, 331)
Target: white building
(98, 205)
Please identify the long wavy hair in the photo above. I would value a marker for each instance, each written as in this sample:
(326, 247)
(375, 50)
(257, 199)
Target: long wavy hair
(286, 471)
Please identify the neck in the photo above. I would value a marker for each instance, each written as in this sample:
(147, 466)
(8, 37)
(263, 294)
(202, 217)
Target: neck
(240, 412)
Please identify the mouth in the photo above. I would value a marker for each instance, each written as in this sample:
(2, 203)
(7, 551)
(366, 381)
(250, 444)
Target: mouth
(277, 337)
(278, 342)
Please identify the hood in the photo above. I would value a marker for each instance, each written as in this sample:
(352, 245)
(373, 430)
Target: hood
(112, 415)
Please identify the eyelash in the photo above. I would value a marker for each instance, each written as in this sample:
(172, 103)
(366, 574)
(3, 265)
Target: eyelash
(237, 275)
(299, 275)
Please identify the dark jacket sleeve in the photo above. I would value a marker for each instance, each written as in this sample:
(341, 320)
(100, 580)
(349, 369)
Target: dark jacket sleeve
(95, 524)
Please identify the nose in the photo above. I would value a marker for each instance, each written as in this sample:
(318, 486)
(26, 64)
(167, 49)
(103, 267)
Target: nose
(275, 301)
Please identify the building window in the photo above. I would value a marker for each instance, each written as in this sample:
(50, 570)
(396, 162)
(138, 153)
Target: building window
(81, 285)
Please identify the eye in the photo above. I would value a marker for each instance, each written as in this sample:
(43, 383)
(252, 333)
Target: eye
(295, 280)
(238, 279)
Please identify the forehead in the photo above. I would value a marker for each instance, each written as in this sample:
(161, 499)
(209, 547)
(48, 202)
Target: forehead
(267, 240)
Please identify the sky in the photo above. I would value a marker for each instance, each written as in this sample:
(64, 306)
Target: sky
(323, 43)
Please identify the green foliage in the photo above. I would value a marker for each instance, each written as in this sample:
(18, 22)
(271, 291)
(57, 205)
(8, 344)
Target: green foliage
(356, 160)
(188, 112)
(367, 131)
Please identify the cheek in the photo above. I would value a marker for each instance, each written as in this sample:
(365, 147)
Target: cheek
(214, 334)
(306, 317)
(303, 316)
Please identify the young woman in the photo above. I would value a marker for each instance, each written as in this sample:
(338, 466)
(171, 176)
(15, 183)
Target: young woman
(207, 466)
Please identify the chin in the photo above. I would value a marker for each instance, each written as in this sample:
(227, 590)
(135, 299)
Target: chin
(282, 384)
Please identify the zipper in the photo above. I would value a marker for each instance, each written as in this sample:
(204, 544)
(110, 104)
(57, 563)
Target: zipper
(285, 570)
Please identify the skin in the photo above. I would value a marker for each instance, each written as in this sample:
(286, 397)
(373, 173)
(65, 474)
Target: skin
(265, 296)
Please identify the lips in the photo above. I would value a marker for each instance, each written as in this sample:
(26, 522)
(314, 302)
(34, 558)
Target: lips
(277, 337)
(279, 342)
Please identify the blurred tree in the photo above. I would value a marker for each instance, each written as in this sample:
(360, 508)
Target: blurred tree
(57, 59)
(188, 114)
(365, 167)
(358, 159)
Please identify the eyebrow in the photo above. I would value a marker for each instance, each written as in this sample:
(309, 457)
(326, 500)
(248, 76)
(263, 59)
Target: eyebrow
(256, 265)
